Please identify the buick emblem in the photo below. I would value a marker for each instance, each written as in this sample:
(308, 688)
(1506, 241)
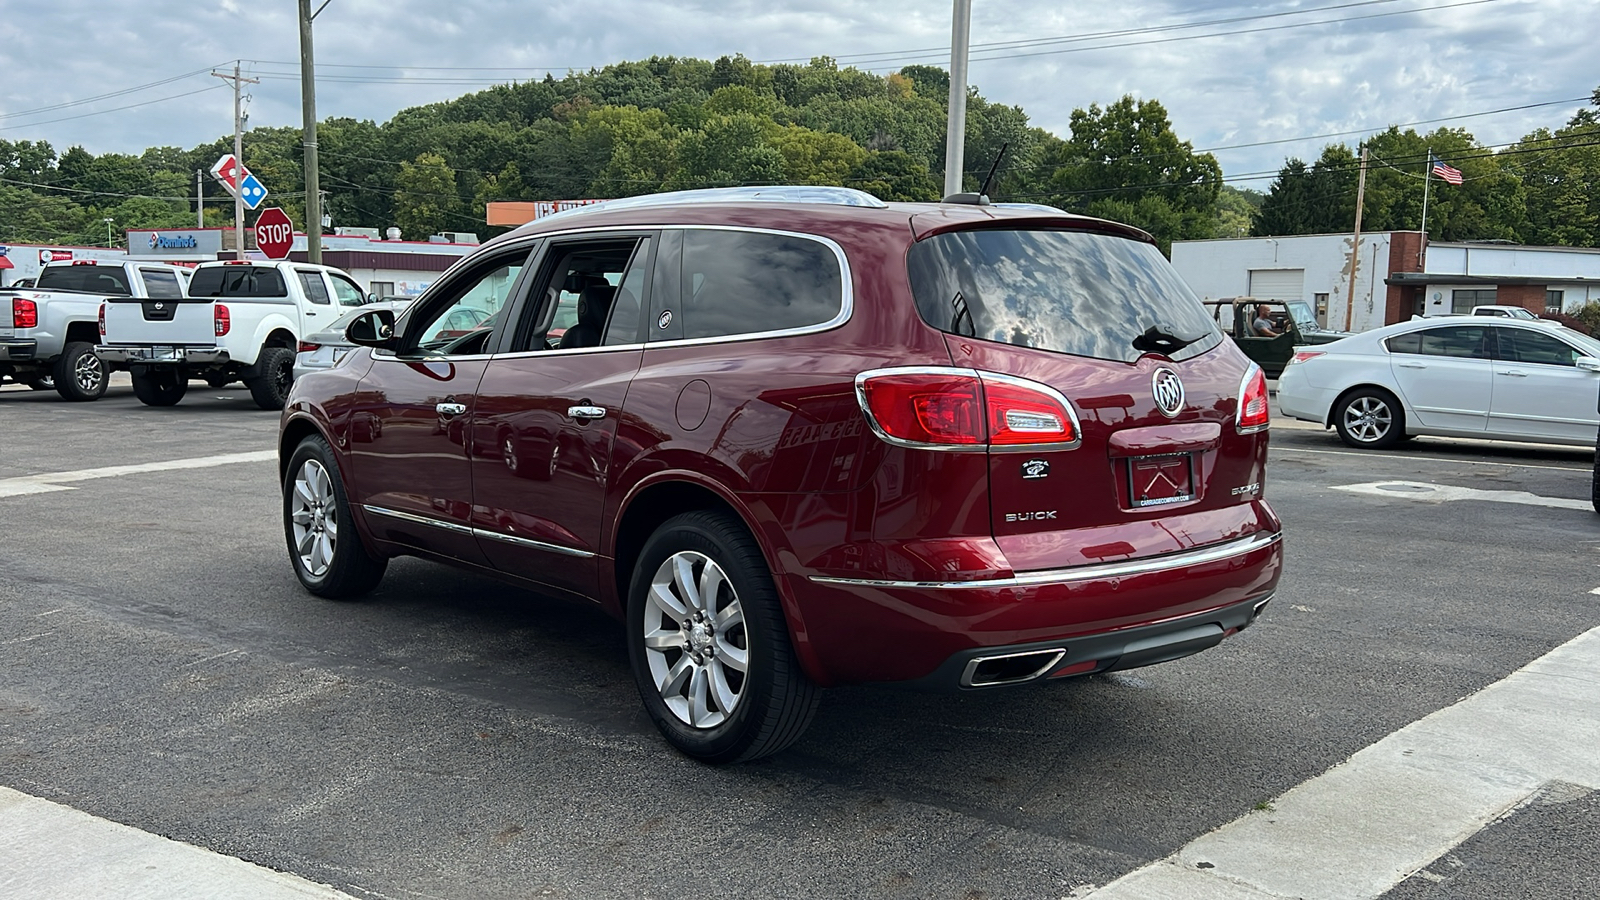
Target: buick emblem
(1168, 390)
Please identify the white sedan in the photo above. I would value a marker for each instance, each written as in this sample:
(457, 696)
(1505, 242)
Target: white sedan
(1474, 377)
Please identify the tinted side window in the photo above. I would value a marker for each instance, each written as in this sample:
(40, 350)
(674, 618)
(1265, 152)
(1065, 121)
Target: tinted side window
(1466, 342)
(1518, 345)
(316, 291)
(739, 282)
(161, 285)
(1406, 343)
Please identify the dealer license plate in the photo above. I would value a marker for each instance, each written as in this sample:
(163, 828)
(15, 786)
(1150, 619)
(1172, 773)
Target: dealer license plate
(1155, 480)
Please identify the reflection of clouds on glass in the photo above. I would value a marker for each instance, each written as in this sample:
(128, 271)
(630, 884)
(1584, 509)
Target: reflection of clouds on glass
(1071, 292)
(743, 282)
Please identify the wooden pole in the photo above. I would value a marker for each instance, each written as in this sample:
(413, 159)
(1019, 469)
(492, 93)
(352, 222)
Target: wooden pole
(1355, 244)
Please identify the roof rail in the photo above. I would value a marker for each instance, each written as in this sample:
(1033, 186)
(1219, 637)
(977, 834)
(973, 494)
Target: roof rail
(1036, 207)
(782, 193)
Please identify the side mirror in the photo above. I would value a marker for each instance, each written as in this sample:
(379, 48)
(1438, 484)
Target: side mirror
(374, 328)
(1587, 363)
(372, 297)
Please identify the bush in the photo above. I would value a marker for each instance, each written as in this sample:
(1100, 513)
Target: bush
(1585, 319)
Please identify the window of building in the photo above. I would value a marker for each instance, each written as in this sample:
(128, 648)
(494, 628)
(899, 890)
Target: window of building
(1464, 301)
(1554, 300)
(383, 289)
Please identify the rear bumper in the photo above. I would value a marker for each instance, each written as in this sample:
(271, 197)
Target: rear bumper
(18, 350)
(161, 354)
(1114, 615)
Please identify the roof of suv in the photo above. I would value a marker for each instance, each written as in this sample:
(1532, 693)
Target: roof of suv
(791, 210)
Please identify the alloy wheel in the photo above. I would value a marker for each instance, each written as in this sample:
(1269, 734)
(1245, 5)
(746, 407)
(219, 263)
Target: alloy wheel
(695, 640)
(314, 517)
(88, 372)
(1367, 419)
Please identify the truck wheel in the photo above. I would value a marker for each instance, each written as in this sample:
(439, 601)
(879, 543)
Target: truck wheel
(324, 546)
(270, 389)
(79, 374)
(159, 385)
(42, 383)
(709, 645)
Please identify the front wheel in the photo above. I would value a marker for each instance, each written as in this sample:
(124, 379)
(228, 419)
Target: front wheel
(159, 385)
(324, 546)
(79, 374)
(1369, 419)
(275, 368)
(709, 645)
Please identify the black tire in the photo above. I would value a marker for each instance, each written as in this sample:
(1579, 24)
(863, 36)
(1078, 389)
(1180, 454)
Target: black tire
(773, 700)
(41, 383)
(350, 570)
(79, 375)
(1594, 485)
(159, 385)
(1369, 419)
(270, 388)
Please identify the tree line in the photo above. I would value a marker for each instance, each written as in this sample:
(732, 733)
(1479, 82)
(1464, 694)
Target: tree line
(669, 123)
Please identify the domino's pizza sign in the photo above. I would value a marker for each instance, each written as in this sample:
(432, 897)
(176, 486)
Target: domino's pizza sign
(239, 181)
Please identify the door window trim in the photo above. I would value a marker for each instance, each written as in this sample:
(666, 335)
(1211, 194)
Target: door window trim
(553, 244)
(428, 302)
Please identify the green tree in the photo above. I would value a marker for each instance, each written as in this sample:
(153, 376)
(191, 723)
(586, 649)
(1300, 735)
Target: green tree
(1559, 172)
(425, 200)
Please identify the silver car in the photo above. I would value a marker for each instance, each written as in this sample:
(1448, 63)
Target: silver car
(323, 349)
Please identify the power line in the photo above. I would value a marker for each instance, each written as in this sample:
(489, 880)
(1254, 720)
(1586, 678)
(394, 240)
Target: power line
(115, 109)
(125, 91)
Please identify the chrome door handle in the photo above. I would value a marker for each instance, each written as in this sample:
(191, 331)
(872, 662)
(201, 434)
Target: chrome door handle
(583, 413)
(450, 410)
(1515, 373)
(1411, 365)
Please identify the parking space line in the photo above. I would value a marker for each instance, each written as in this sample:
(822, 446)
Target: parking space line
(58, 481)
(1368, 454)
(48, 850)
(1370, 822)
(1443, 493)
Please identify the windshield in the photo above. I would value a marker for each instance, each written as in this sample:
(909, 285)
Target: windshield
(1303, 317)
(1074, 292)
(89, 279)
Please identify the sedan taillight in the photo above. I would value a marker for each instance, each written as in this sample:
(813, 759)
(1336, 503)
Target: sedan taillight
(24, 313)
(1301, 356)
(941, 408)
(307, 347)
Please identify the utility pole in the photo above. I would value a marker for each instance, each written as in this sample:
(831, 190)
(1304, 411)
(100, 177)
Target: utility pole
(1427, 181)
(199, 200)
(955, 141)
(1355, 245)
(308, 112)
(238, 158)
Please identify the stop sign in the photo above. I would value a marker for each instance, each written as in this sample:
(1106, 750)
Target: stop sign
(274, 233)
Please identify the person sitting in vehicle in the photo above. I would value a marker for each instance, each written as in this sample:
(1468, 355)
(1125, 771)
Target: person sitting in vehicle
(1263, 326)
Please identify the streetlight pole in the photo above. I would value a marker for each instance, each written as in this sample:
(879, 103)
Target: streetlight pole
(955, 141)
(308, 112)
(108, 232)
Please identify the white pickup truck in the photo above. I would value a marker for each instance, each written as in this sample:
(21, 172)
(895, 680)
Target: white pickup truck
(48, 331)
(242, 320)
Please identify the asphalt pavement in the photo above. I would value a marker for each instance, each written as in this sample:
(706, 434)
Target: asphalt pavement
(451, 737)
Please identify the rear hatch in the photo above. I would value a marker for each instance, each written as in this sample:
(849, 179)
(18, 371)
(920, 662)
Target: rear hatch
(1156, 463)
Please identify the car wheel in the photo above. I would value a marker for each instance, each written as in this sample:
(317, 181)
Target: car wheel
(42, 383)
(709, 646)
(270, 388)
(325, 549)
(79, 374)
(1369, 418)
(1594, 484)
(159, 385)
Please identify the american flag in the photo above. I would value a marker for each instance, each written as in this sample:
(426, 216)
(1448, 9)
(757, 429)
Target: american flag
(1445, 172)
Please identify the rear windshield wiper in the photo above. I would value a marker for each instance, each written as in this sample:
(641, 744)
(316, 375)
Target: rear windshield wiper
(1159, 339)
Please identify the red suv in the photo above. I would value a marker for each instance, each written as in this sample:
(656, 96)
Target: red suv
(800, 437)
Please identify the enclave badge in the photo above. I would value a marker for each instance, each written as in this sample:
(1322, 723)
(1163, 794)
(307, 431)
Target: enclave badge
(1168, 390)
(1036, 468)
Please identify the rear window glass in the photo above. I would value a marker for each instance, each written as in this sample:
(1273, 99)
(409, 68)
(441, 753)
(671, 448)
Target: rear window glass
(741, 282)
(161, 285)
(237, 281)
(90, 279)
(1066, 291)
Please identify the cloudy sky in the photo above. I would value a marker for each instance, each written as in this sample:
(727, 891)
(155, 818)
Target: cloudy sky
(121, 76)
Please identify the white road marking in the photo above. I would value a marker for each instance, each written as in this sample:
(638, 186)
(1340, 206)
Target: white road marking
(58, 481)
(1368, 823)
(50, 851)
(1441, 493)
(1443, 459)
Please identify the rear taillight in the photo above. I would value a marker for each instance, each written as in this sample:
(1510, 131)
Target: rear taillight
(1254, 414)
(220, 318)
(1301, 356)
(307, 347)
(24, 313)
(102, 320)
(964, 409)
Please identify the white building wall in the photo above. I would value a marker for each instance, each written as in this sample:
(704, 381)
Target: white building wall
(26, 261)
(1221, 268)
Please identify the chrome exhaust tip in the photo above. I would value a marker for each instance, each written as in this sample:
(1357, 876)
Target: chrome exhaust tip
(1009, 668)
